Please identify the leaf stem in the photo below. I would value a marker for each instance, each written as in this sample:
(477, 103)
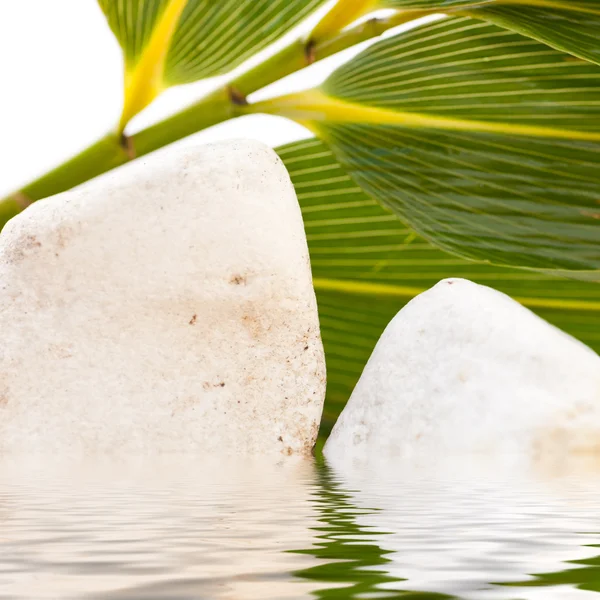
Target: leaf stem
(103, 155)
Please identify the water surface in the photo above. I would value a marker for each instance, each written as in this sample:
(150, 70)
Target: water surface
(178, 529)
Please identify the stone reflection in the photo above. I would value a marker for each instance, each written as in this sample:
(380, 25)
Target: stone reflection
(176, 528)
(480, 531)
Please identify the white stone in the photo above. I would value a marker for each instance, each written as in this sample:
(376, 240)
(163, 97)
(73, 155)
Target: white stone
(463, 368)
(166, 306)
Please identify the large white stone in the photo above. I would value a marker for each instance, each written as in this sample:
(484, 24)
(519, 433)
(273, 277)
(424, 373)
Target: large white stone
(466, 369)
(166, 306)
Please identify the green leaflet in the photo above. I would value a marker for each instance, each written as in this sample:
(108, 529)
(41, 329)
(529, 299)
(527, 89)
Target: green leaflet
(574, 32)
(582, 6)
(589, 6)
(569, 25)
(168, 42)
(211, 37)
(486, 142)
(367, 264)
(133, 24)
(216, 36)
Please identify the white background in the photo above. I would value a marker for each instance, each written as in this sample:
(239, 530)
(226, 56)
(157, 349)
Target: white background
(61, 88)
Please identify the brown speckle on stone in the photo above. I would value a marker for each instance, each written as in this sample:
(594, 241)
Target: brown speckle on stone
(255, 323)
(33, 242)
(207, 385)
(60, 350)
(238, 280)
(193, 320)
(30, 241)
(183, 404)
(21, 248)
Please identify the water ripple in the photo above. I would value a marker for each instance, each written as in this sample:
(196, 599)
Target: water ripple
(182, 528)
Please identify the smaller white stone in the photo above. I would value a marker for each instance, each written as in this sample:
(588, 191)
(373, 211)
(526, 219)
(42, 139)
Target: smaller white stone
(463, 368)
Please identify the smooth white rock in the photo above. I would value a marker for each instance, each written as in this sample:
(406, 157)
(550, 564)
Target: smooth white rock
(463, 368)
(166, 306)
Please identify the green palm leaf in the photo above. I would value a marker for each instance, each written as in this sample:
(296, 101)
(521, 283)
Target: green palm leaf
(569, 25)
(367, 264)
(486, 142)
(168, 42)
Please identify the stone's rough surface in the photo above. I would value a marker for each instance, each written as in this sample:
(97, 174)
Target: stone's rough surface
(167, 306)
(466, 369)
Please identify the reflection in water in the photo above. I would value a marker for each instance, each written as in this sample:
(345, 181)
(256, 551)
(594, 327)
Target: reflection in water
(584, 578)
(188, 529)
(174, 529)
(352, 557)
(480, 533)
